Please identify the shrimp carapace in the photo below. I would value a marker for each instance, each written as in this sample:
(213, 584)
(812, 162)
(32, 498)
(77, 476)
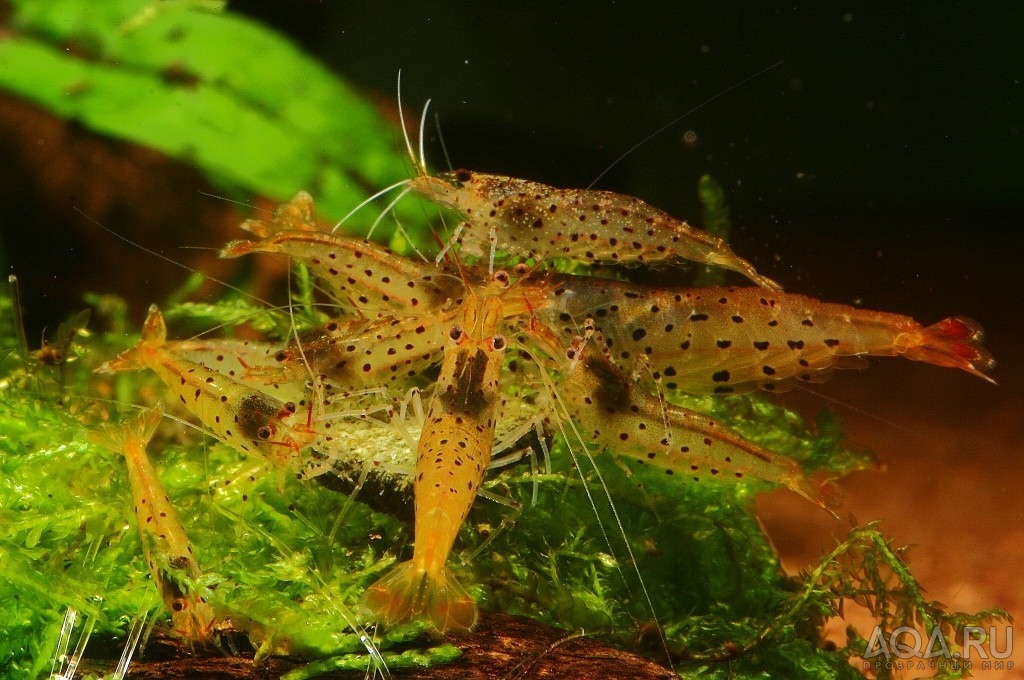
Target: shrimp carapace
(728, 340)
(532, 220)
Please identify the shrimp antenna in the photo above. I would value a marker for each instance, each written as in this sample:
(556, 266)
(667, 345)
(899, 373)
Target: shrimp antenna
(244, 204)
(444, 147)
(401, 120)
(371, 199)
(168, 259)
(19, 319)
(423, 127)
(675, 120)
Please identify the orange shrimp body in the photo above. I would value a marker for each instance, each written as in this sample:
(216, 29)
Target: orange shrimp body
(360, 354)
(726, 340)
(164, 543)
(367, 275)
(238, 415)
(609, 409)
(533, 220)
(453, 454)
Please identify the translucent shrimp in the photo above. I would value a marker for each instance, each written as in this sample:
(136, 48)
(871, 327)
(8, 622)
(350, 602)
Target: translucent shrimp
(607, 408)
(368, 276)
(239, 415)
(532, 220)
(453, 454)
(166, 547)
(358, 354)
(727, 340)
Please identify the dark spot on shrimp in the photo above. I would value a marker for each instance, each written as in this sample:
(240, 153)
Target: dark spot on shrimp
(612, 392)
(255, 413)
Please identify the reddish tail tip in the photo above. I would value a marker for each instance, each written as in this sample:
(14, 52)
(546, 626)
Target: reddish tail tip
(955, 342)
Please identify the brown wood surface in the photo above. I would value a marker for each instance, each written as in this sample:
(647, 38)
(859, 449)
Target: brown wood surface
(501, 647)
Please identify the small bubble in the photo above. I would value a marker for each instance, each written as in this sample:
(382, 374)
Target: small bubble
(690, 138)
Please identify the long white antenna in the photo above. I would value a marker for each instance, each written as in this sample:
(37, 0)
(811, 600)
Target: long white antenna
(423, 127)
(401, 120)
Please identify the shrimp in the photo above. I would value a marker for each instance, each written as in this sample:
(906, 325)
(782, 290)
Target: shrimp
(357, 354)
(728, 340)
(240, 416)
(166, 547)
(532, 220)
(374, 279)
(453, 454)
(607, 408)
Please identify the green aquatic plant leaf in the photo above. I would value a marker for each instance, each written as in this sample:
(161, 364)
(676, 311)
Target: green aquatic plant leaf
(167, 75)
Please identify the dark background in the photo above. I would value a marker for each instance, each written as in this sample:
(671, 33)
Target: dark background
(881, 161)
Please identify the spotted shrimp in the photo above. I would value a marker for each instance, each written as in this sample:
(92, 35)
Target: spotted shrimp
(453, 454)
(726, 340)
(532, 220)
(592, 336)
(357, 273)
(165, 545)
(246, 418)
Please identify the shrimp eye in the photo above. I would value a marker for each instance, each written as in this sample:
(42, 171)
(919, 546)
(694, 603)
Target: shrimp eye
(281, 356)
(289, 406)
(264, 432)
(455, 333)
(331, 326)
(179, 605)
(521, 269)
(498, 342)
(501, 276)
(463, 176)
